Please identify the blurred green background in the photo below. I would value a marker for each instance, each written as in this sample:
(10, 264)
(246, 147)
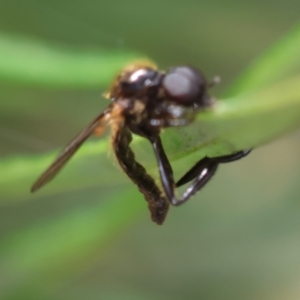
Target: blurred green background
(237, 239)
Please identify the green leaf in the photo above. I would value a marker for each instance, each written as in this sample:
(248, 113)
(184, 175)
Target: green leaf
(32, 62)
(280, 62)
(238, 123)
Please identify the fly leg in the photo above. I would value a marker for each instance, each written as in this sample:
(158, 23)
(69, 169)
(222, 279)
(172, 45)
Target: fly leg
(201, 165)
(201, 173)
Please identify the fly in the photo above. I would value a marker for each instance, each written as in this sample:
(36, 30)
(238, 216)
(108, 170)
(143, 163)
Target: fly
(144, 100)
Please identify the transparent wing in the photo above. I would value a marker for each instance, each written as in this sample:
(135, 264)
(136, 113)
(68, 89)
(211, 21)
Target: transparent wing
(68, 152)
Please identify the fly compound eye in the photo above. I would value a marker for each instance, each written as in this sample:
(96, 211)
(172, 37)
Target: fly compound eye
(184, 85)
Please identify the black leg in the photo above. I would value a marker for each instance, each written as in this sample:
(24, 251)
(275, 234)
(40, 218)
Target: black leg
(232, 157)
(201, 164)
(166, 175)
(202, 172)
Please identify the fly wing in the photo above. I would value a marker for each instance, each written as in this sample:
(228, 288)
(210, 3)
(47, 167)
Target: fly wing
(68, 152)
